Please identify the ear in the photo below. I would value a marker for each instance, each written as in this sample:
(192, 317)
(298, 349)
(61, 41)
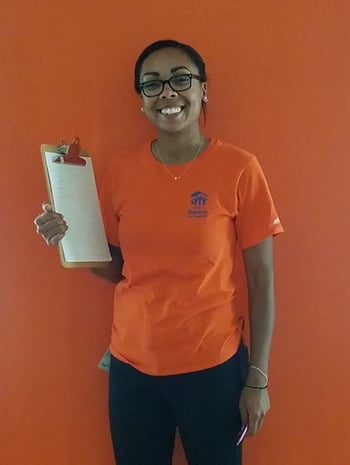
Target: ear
(204, 93)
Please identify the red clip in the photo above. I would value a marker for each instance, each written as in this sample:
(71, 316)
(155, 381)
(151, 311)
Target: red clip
(72, 157)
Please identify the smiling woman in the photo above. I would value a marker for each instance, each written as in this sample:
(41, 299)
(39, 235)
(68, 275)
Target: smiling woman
(171, 79)
(178, 360)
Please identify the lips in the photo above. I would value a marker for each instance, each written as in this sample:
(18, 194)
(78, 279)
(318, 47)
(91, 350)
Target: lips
(171, 110)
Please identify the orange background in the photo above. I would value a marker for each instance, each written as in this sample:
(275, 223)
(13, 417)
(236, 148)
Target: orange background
(279, 79)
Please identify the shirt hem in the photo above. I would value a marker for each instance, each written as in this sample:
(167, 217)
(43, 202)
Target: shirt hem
(178, 371)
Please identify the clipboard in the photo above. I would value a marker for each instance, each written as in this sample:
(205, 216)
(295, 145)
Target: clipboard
(72, 192)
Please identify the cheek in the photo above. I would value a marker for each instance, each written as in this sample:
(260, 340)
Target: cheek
(147, 103)
(149, 113)
(196, 106)
(143, 102)
(147, 106)
(195, 99)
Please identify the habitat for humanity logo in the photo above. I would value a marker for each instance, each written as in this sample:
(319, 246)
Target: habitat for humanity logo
(198, 203)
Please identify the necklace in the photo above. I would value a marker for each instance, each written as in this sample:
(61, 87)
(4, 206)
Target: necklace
(177, 178)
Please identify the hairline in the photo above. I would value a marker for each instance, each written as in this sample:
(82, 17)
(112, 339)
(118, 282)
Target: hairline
(172, 71)
(184, 52)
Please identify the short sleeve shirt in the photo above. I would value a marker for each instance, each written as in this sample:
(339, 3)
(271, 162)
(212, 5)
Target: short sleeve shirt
(175, 310)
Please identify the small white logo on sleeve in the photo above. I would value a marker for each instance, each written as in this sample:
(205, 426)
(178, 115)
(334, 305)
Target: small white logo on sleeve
(277, 221)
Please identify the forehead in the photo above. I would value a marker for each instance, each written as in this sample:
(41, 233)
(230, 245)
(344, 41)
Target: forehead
(163, 61)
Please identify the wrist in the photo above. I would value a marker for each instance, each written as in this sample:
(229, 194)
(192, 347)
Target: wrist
(255, 388)
(257, 377)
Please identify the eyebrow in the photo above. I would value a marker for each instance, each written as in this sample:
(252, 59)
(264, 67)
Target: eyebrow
(173, 70)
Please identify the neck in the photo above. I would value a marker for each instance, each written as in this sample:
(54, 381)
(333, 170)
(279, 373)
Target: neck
(177, 148)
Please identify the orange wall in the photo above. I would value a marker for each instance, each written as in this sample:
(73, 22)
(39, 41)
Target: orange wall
(279, 87)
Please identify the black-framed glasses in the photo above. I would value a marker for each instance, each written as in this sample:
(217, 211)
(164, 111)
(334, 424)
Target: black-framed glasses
(177, 83)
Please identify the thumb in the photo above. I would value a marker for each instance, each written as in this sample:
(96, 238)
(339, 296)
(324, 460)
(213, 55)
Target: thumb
(46, 207)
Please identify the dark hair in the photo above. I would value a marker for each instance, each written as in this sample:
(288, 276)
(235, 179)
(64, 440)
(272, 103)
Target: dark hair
(159, 45)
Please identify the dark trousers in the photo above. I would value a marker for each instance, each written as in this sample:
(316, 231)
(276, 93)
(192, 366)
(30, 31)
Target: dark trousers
(146, 410)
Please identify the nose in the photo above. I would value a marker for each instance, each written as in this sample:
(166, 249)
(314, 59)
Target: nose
(168, 92)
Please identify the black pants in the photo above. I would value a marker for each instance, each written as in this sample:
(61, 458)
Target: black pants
(145, 411)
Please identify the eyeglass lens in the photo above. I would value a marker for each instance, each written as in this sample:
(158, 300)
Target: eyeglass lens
(177, 83)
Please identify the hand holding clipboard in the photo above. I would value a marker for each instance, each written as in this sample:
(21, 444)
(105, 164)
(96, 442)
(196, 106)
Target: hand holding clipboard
(78, 227)
(50, 225)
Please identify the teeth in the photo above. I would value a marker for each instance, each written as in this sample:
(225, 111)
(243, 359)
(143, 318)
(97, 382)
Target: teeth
(170, 111)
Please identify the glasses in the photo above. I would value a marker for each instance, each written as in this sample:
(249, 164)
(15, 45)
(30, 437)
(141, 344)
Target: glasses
(177, 83)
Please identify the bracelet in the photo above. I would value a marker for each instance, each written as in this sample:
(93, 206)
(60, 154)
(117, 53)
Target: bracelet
(260, 371)
(257, 388)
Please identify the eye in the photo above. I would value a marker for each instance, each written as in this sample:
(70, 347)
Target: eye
(151, 85)
(183, 79)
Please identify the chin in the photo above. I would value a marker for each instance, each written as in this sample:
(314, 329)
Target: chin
(172, 128)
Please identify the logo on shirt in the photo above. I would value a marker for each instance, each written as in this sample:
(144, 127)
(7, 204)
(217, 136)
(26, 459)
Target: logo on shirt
(198, 203)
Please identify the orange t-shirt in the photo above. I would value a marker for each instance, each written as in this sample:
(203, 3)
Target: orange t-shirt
(175, 310)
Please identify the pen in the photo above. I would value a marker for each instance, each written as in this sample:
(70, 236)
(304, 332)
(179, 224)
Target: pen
(242, 434)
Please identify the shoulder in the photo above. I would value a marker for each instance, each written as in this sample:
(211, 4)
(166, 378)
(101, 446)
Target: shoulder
(232, 155)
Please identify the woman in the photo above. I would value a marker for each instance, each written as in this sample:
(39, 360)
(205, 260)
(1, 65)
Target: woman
(175, 212)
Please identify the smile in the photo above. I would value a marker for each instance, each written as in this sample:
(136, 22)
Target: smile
(171, 110)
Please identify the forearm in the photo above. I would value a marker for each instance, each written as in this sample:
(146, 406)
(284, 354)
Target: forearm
(261, 317)
(112, 272)
(254, 401)
(258, 261)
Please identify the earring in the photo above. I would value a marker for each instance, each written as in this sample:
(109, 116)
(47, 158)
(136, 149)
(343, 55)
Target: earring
(205, 99)
(142, 109)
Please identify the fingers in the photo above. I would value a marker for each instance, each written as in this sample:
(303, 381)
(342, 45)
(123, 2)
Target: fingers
(53, 233)
(50, 225)
(255, 424)
(47, 215)
(253, 407)
(54, 240)
(244, 415)
(260, 423)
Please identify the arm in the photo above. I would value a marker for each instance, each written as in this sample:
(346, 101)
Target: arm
(52, 227)
(258, 260)
(112, 272)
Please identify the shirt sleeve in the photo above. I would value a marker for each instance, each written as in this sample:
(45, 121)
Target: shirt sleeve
(257, 217)
(109, 215)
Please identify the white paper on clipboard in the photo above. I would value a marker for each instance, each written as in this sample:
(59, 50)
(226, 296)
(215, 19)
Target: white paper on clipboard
(74, 195)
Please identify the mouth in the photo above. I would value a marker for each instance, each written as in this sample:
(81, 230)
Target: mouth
(171, 111)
